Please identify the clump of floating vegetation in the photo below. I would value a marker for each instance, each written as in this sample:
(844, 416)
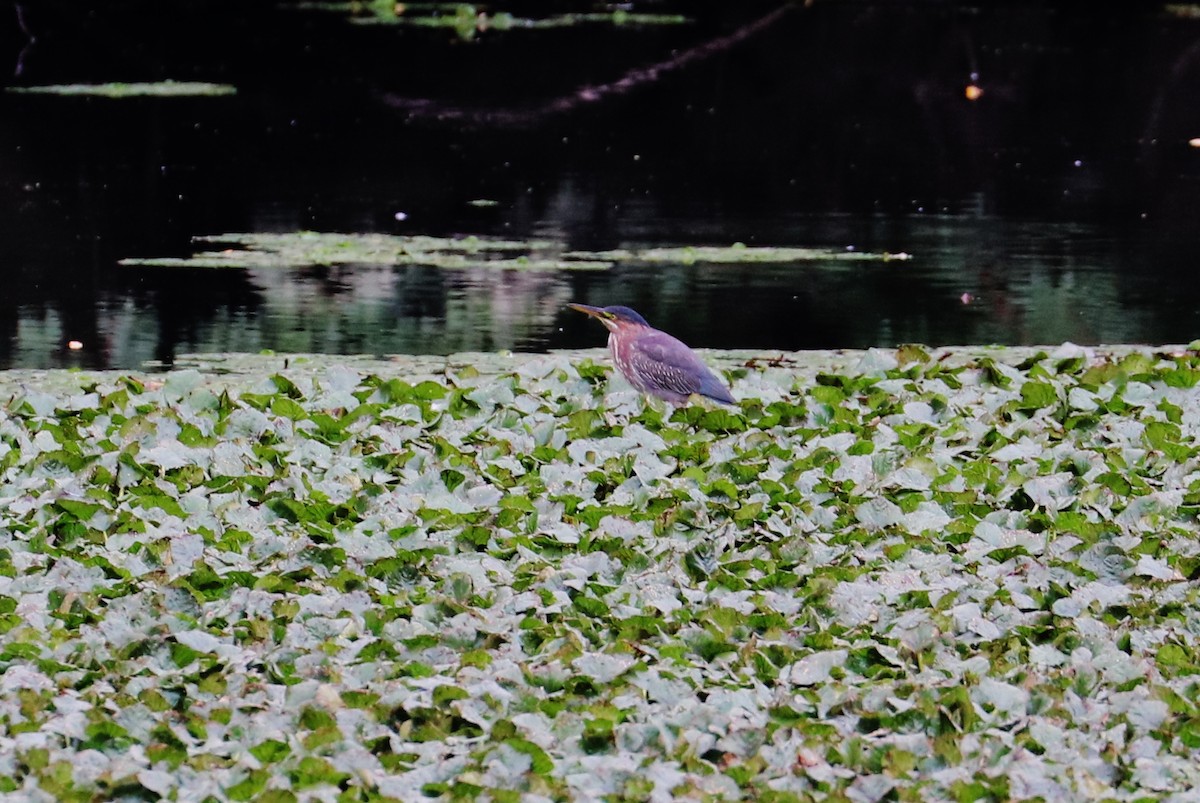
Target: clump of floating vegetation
(307, 248)
(468, 19)
(737, 253)
(1183, 10)
(130, 90)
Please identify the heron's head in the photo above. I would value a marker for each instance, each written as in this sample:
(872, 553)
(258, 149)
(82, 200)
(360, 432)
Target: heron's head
(613, 318)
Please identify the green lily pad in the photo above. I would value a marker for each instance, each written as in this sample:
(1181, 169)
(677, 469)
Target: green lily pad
(307, 248)
(738, 254)
(158, 89)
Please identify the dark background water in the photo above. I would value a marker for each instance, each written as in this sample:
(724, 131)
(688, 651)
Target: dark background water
(1062, 204)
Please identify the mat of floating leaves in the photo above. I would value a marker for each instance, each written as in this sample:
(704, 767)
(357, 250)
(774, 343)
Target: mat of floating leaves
(914, 574)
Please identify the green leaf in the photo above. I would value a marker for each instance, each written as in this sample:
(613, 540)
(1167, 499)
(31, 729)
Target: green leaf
(723, 421)
(313, 718)
(828, 394)
(1174, 659)
(443, 695)
(105, 734)
(1189, 733)
(1136, 363)
(993, 374)
(541, 763)
(165, 746)
(516, 501)
(598, 735)
(287, 408)
(590, 606)
(286, 386)
(1036, 395)
(276, 796)
(182, 654)
(861, 447)
(83, 511)
(1117, 483)
(1181, 377)
(710, 647)
(249, 788)
(452, 478)
(314, 771)
(1167, 437)
(429, 391)
(911, 353)
(271, 751)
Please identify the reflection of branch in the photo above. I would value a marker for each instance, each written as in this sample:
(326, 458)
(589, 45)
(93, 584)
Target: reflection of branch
(634, 79)
(25, 29)
(1154, 121)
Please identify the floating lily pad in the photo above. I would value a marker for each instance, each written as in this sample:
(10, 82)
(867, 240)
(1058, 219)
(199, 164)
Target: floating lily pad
(1183, 10)
(131, 90)
(736, 253)
(306, 248)
(468, 20)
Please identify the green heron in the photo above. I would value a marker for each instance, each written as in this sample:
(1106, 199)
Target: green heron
(653, 361)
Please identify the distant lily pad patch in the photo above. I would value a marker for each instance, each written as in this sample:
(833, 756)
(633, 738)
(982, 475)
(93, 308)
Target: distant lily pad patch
(131, 90)
(738, 253)
(1184, 10)
(468, 19)
(467, 22)
(307, 248)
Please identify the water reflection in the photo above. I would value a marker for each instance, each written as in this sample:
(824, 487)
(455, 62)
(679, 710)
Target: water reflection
(972, 281)
(414, 310)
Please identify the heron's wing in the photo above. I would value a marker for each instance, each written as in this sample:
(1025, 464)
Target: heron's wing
(674, 366)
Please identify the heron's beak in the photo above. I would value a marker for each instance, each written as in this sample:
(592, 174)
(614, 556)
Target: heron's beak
(598, 313)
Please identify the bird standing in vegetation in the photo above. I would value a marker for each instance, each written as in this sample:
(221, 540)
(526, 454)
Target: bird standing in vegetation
(653, 361)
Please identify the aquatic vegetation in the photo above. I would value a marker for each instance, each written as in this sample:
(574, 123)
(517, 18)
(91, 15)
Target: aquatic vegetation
(905, 573)
(469, 20)
(1184, 10)
(302, 249)
(308, 248)
(738, 253)
(130, 90)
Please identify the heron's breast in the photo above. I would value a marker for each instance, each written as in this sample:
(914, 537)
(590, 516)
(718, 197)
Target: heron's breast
(623, 358)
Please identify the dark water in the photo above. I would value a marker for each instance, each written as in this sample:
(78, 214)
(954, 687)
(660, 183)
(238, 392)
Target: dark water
(1062, 204)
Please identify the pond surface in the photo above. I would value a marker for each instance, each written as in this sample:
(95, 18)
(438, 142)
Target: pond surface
(1041, 166)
